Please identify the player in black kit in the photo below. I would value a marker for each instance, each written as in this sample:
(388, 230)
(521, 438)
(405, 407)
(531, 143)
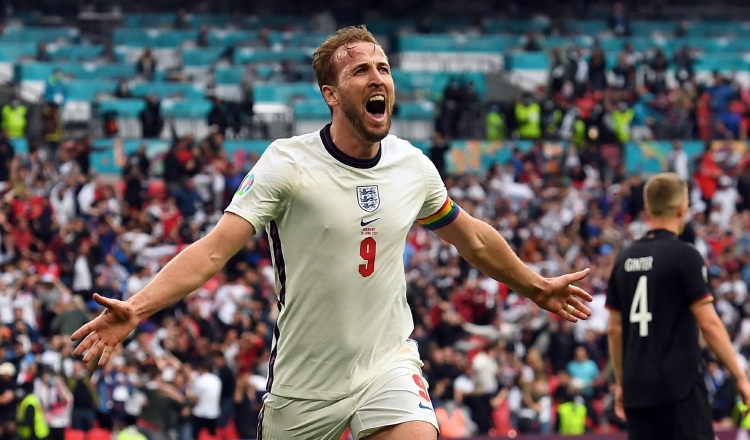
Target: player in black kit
(658, 298)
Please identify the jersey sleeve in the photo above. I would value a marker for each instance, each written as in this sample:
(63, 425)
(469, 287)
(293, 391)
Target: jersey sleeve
(438, 209)
(695, 277)
(265, 191)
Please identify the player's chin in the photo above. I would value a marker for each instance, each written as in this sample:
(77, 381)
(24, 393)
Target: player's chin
(378, 133)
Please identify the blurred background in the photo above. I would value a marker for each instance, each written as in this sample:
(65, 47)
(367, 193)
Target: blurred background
(127, 126)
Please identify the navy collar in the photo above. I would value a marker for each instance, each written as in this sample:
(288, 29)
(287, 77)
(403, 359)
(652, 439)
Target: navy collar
(333, 150)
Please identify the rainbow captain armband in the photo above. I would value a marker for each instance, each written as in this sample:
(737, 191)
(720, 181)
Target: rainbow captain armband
(444, 216)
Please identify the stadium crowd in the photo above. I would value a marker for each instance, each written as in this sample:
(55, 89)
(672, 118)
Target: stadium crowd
(494, 362)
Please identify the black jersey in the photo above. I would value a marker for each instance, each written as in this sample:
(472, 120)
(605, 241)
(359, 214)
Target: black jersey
(653, 284)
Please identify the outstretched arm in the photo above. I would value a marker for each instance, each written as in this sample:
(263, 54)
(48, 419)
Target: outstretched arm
(482, 246)
(186, 272)
(715, 334)
(615, 354)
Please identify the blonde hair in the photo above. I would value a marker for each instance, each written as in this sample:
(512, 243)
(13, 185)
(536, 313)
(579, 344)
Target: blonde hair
(325, 71)
(663, 194)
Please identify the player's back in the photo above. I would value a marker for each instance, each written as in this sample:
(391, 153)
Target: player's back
(653, 284)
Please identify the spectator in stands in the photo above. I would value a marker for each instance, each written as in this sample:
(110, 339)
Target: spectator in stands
(41, 53)
(14, 118)
(581, 367)
(289, 72)
(163, 403)
(55, 90)
(228, 385)
(202, 40)
(181, 19)
(677, 161)
(528, 117)
(7, 154)
(597, 69)
(559, 72)
(531, 43)
(454, 95)
(31, 419)
(684, 65)
(146, 64)
(572, 411)
(219, 116)
(152, 121)
(56, 401)
(84, 398)
(656, 75)
(71, 314)
(721, 93)
(247, 404)
(624, 75)
(8, 400)
(619, 23)
(441, 145)
(206, 391)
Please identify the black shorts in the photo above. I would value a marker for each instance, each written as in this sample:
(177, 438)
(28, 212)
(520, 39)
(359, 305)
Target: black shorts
(687, 419)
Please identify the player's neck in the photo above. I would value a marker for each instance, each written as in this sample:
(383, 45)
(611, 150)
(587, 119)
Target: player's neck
(348, 140)
(673, 225)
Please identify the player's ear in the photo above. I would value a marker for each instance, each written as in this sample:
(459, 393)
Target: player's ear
(682, 209)
(331, 95)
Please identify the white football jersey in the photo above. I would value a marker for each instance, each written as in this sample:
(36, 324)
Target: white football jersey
(337, 228)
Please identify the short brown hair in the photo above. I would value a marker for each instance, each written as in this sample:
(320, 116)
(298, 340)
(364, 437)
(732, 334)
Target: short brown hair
(323, 66)
(663, 194)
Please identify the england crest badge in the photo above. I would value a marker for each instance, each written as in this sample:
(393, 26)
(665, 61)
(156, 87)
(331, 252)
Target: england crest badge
(368, 197)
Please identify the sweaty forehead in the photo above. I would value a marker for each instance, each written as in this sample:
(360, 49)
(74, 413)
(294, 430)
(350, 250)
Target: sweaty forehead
(359, 51)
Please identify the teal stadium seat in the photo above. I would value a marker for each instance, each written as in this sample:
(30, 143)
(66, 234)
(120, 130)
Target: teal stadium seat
(231, 75)
(390, 26)
(211, 20)
(124, 108)
(586, 27)
(34, 71)
(90, 90)
(230, 37)
(252, 55)
(14, 34)
(430, 85)
(306, 39)
(516, 27)
(186, 108)
(168, 90)
(722, 62)
(650, 27)
(200, 57)
(74, 52)
(12, 52)
(286, 93)
(411, 110)
(314, 110)
(528, 61)
(716, 28)
(456, 43)
(149, 20)
(156, 38)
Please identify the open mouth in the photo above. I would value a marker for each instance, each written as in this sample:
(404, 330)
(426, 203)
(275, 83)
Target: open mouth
(376, 106)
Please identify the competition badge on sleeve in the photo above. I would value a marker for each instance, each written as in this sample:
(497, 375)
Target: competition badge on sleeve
(246, 184)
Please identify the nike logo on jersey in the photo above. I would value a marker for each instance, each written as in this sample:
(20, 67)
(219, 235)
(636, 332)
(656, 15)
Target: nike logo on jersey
(423, 406)
(363, 223)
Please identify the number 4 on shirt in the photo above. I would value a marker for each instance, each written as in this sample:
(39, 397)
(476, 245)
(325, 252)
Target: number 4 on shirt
(639, 307)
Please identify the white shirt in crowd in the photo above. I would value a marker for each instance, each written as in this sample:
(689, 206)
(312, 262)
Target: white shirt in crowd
(207, 391)
(82, 274)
